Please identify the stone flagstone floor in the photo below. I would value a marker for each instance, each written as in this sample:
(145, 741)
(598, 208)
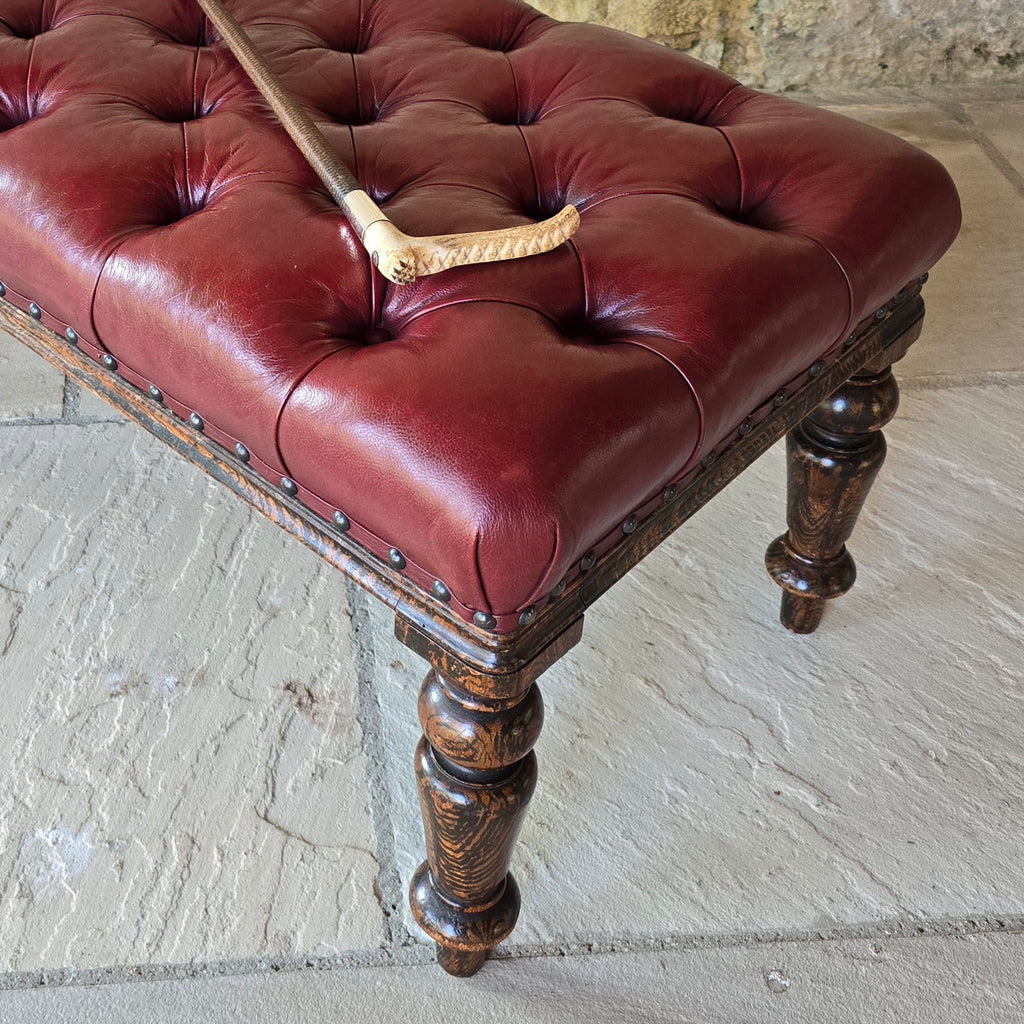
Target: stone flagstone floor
(207, 810)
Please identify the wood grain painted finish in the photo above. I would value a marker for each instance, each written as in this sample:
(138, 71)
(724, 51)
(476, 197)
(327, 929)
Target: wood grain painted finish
(476, 772)
(834, 456)
(479, 734)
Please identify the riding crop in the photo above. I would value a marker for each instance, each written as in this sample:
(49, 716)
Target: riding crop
(399, 257)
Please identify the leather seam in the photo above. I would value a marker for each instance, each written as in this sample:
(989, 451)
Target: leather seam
(288, 397)
(28, 78)
(701, 416)
(184, 124)
(195, 70)
(545, 577)
(359, 108)
(376, 307)
(721, 101)
(99, 277)
(470, 301)
(739, 170)
(522, 135)
(584, 277)
(523, 28)
(648, 192)
(447, 101)
(118, 14)
(846, 277)
(611, 99)
(184, 144)
(446, 184)
(515, 83)
(479, 575)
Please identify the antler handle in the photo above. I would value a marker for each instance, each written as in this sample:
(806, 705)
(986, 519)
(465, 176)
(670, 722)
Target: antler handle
(402, 258)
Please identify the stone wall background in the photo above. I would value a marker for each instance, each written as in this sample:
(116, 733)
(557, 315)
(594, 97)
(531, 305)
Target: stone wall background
(787, 45)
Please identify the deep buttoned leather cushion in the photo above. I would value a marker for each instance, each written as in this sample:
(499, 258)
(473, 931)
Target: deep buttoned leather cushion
(496, 423)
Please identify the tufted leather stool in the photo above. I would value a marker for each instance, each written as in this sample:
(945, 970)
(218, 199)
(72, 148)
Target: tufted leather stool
(490, 449)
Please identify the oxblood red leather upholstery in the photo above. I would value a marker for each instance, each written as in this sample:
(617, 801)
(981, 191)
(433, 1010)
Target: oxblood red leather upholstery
(493, 424)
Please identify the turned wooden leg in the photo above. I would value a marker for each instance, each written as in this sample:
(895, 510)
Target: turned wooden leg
(835, 454)
(476, 773)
